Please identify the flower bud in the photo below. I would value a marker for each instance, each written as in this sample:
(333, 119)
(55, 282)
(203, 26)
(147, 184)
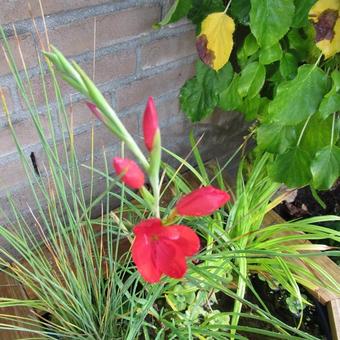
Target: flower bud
(93, 108)
(150, 123)
(130, 172)
(202, 202)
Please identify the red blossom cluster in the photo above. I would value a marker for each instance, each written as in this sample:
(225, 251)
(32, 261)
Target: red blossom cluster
(160, 249)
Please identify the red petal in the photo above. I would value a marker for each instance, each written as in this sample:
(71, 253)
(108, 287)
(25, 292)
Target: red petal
(149, 227)
(131, 173)
(143, 257)
(150, 123)
(170, 260)
(201, 202)
(184, 238)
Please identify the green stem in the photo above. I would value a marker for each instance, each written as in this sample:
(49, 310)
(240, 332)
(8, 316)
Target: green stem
(317, 61)
(227, 7)
(123, 133)
(333, 128)
(303, 129)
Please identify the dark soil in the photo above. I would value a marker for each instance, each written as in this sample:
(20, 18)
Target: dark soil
(305, 205)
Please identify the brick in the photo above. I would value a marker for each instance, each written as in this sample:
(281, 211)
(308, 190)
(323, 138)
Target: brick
(175, 131)
(108, 68)
(12, 173)
(38, 90)
(81, 114)
(15, 10)
(110, 28)
(168, 110)
(168, 49)
(139, 90)
(102, 137)
(113, 66)
(8, 99)
(25, 132)
(28, 50)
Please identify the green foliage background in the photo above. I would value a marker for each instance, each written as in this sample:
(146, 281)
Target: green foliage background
(276, 77)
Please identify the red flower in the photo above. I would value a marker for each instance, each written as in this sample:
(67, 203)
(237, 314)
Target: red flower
(159, 249)
(201, 202)
(131, 173)
(150, 123)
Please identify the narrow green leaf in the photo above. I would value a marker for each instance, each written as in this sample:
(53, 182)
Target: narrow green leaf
(326, 167)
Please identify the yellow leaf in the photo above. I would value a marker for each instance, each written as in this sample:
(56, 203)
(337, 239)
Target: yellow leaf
(325, 15)
(215, 42)
(322, 5)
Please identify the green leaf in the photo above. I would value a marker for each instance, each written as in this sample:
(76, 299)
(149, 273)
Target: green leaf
(302, 8)
(239, 10)
(270, 20)
(249, 46)
(178, 10)
(270, 54)
(288, 66)
(297, 99)
(201, 9)
(316, 135)
(251, 80)
(199, 95)
(275, 138)
(329, 104)
(292, 168)
(326, 167)
(298, 44)
(230, 99)
(251, 107)
(224, 77)
(302, 44)
(336, 80)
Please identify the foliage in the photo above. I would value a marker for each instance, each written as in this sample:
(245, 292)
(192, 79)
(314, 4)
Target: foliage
(278, 79)
(85, 279)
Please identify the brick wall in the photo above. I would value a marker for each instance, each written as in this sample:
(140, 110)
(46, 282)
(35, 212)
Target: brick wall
(132, 61)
